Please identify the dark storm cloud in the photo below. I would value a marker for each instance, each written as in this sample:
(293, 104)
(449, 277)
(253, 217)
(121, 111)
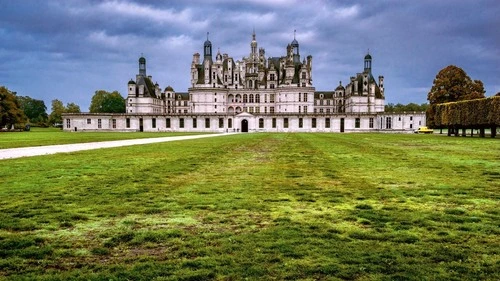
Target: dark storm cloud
(69, 49)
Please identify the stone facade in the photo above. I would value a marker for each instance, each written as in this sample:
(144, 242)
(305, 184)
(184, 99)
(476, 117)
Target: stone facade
(273, 94)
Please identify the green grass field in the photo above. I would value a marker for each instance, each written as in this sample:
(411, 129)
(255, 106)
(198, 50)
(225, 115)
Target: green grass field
(257, 207)
(51, 136)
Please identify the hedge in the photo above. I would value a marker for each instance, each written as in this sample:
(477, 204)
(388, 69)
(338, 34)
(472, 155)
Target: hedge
(467, 114)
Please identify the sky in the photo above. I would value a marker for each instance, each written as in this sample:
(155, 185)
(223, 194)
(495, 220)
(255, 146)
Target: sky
(68, 49)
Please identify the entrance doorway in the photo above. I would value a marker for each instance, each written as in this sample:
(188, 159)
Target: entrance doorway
(244, 126)
(341, 125)
(141, 125)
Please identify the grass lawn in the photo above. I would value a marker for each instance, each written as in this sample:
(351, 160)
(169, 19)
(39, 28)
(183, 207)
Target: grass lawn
(50, 136)
(257, 207)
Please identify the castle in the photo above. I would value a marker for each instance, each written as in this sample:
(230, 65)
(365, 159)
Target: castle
(256, 93)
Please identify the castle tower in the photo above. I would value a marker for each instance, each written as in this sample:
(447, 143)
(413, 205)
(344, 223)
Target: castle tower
(142, 66)
(295, 49)
(368, 63)
(207, 49)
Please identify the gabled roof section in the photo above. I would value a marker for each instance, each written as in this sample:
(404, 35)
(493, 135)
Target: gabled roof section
(326, 95)
(184, 96)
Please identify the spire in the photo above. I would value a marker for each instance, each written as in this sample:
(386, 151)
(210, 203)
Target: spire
(368, 62)
(142, 65)
(253, 34)
(207, 49)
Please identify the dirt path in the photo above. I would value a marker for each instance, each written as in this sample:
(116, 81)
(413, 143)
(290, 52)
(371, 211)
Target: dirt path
(64, 148)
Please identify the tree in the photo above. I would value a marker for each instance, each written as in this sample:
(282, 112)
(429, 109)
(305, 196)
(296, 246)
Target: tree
(57, 111)
(105, 102)
(34, 109)
(450, 85)
(390, 107)
(10, 109)
(72, 108)
(453, 84)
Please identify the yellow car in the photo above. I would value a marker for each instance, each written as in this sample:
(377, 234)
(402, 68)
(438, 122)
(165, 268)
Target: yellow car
(424, 130)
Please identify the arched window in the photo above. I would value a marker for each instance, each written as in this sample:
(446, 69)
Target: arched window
(251, 98)
(257, 98)
(245, 98)
(250, 84)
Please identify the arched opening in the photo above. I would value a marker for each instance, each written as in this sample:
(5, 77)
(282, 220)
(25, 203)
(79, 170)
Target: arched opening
(244, 126)
(230, 110)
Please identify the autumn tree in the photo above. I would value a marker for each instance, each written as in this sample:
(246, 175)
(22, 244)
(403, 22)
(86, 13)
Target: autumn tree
(34, 109)
(450, 85)
(106, 102)
(453, 84)
(10, 109)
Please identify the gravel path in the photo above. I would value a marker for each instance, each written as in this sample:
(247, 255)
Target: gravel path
(64, 148)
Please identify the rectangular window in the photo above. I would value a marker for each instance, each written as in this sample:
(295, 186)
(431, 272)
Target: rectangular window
(327, 123)
(271, 98)
(300, 97)
(195, 123)
(181, 123)
(114, 123)
(305, 109)
(357, 123)
(89, 121)
(99, 123)
(68, 123)
(388, 123)
(301, 122)
(411, 118)
(371, 123)
(257, 109)
(221, 122)
(261, 123)
(230, 123)
(285, 122)
(271, 109)
(207, 123)
(305, 97)
(153, 122)
(313, 123)
(274, 122)
(167, 123)
(128, 122)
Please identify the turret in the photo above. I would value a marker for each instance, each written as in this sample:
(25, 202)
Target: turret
(142, 66)
(207, 50)
(295, 49)
(381, 84)
(131, 88)
(368, 63)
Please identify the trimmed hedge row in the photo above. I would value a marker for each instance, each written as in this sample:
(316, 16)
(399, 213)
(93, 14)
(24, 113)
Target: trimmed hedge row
(467, 114)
